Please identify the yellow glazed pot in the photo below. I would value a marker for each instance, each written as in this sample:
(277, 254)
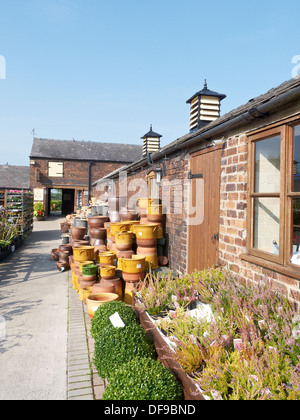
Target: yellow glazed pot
(124, 240)
(155, 209)
(146, 231)
(133, 266)
(95, 301)
(117, 227)
(108, 271)
(84, 253)
(106, 258)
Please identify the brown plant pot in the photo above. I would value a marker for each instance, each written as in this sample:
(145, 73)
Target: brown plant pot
(61, 265)
(89, 278)
(125, 254)
(103, 288)
(146, 243)
(78, 232)
(98, 233)
(97, 221)
(66, 247)
(133, 277)
(55, 254)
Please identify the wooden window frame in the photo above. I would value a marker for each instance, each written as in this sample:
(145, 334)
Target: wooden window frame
(280, 263)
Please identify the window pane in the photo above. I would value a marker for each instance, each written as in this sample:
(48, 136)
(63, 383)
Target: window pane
(266, 224)
(296, 232)
(296, 167)
(267, 165)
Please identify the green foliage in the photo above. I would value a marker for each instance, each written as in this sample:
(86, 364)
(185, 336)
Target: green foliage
(8, 230)
(101, 318)
(142, 379)
(113, 347)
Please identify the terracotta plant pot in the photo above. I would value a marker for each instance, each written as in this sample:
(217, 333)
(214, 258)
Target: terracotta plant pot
(163, 261)
(98, 233)
(77, 243)
(95, 301)
(108, 272)
(127, 214)
(62, 265)
(97, 221)
(78, 232)
(84, 253)
(64, 256)
(66, 247)
(146, 235)
(133, 277)
(89, 270)
(123, 240)
(117, 227)
(85, 284)
(86, 278)
(103, 288)
(117, 283)
(125, 254)
(85, 293)
(134, 266)
(106, 258)
(55, 254)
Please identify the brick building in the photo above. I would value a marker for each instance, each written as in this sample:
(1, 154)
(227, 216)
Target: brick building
(229, 188)
(13, 178)
(72, 166)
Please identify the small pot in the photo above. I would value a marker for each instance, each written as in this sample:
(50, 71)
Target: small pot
(117, 283)
(55, 254)
(88, 278)
(127, 214)
(108, 272)
(106, 259)
(79, 222)
(95, 301)
(89, 270)
(65, 239)
(66, 247)
(134, 266)
(125, 254)
(84, 253)
(64, 256)
(62, 265)
(85, 284)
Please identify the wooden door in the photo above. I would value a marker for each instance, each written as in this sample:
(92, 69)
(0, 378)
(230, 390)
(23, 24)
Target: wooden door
(203, 247)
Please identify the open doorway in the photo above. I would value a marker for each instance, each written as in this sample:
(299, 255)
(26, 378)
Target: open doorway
(55, 202)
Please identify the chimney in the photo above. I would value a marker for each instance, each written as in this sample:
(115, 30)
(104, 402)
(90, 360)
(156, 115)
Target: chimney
(205, 107)
(151, 142)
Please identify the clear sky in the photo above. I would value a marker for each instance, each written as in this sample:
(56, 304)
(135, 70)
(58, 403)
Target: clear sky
(105, 70)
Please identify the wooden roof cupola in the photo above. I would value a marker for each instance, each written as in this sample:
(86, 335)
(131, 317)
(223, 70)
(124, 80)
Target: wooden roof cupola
(151, 142)
(205, 107)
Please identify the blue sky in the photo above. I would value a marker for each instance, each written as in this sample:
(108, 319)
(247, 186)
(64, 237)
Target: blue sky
(105, 70)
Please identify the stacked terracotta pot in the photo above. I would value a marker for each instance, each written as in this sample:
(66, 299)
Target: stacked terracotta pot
(133, 271)
(124, 243)
(97, 232)
(64, 253)
(109, 282)
(146, 239)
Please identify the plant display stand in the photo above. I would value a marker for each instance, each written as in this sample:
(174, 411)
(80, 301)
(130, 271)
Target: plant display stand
(19, 205)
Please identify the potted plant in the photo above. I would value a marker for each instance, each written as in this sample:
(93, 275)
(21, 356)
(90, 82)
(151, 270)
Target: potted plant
(39, 211)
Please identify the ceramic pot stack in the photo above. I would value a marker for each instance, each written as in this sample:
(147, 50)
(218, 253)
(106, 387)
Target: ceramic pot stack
(97, 232)
(155, 216)
(146, 239)
(89, 275)
(133, 271)
(109, 283)
(63, 262)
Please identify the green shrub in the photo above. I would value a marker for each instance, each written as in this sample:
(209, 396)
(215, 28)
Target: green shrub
(101, 317)
(143, 379)
(115, 346)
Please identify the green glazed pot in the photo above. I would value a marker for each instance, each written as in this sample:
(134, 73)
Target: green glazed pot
(89, 270)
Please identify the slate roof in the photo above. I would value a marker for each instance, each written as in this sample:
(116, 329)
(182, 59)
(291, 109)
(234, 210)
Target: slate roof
(85, 150)
(15, 177)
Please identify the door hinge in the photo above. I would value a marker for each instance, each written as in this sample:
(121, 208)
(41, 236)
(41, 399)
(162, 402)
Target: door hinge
(194, 176)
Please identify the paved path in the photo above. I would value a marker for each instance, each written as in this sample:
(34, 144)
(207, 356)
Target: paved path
(45, 345)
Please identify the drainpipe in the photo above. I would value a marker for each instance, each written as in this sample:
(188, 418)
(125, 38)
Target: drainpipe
(254, 113)
(90, 180)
